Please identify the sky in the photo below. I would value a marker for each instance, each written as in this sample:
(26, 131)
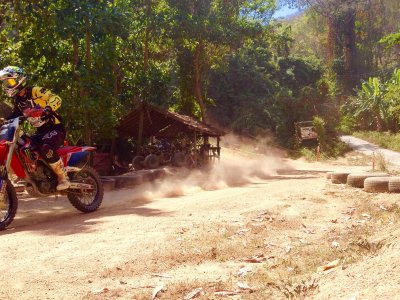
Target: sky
(285, 11)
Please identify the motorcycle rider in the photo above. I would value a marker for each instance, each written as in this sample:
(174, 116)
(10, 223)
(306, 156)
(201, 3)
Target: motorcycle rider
(50, 132)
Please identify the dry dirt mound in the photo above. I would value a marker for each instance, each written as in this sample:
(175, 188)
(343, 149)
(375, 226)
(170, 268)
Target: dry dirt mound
(374, 277)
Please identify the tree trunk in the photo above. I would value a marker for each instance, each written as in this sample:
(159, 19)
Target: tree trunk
(146, 37)
(197, 79)
(75, 57)
(88, 42)
(117, 79)
(350, 66)
(378, 124)
(330, 47)
(87, 131)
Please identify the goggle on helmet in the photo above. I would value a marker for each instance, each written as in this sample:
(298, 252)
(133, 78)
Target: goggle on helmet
(13, 80)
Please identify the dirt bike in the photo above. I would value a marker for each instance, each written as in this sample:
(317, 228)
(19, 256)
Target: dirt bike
(160, 154)
(20, 157)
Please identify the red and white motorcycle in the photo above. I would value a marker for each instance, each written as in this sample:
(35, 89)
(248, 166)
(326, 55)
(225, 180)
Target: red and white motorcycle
(19, 157)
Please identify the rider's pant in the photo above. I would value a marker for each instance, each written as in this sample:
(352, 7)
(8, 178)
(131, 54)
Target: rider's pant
(48, 141)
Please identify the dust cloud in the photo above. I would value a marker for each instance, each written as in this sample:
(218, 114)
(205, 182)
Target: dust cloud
(243, 161)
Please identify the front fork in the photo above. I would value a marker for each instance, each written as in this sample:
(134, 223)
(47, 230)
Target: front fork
(4, 172)
(3, 190)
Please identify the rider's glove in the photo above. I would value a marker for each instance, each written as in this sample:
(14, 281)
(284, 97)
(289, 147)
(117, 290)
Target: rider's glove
(46, 113)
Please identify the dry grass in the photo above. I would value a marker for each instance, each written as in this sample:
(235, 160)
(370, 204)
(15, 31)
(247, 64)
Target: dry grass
(278, 269)
(290, 275)
(382, 164)
(355, 158)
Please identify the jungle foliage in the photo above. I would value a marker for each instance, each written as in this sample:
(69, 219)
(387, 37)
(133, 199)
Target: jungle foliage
(358, 43)
(226, 62)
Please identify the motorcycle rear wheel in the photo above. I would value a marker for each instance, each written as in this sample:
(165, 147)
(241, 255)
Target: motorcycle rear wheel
(8, 207)
(86, 200)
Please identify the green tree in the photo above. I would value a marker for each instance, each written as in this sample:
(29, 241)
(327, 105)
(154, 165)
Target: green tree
(369, 102)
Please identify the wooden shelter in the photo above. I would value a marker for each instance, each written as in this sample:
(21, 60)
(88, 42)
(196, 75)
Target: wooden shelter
(148, 121)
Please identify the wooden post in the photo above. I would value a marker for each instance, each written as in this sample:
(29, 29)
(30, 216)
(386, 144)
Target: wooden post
(218, 149)
(140, 133)
(318, 152)
(373, 161)
(112, 154)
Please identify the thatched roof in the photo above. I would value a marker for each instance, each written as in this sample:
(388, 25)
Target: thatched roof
(162, 123)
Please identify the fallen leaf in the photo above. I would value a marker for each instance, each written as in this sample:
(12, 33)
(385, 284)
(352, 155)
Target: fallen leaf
(193, 294)
(309, 231)
(258, 220)
(335, 244)
(382, 207)
(328, 266)
(156, 290)
(254, 259)
(267, 244)
(242, 231)
(104, 290)
(243, 271)
(351, 211)
(161, 275)
(365, 215)
(244, 286)
(227, 293)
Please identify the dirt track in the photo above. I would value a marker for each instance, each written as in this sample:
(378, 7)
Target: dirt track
(193, 232)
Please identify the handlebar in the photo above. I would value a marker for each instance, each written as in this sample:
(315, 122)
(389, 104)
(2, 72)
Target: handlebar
(6, 122)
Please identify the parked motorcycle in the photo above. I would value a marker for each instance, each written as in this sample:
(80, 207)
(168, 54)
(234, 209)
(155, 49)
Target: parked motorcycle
(159, 154)
(19, 156)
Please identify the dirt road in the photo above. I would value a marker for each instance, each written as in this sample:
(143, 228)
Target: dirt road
(251, 229)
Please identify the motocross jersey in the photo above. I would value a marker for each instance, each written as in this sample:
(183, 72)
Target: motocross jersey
(38, 97)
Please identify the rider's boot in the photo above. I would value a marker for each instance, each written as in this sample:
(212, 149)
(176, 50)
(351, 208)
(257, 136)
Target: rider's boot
(59, 170)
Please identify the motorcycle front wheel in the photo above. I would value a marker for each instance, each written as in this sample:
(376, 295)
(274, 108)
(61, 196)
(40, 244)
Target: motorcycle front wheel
(8, 206)
(86, 200)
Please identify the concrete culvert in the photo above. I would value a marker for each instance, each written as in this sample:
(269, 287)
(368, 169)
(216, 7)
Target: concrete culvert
(376, 184)
(160, 173)
(357, 179)
(339, 177)
(328, 175)
(108, 183)
(126, 180)
(394, 185)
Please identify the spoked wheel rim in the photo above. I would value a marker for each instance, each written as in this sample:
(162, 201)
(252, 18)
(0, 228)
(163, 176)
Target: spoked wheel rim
(84, 199)
(86, 196)
(5, 208)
